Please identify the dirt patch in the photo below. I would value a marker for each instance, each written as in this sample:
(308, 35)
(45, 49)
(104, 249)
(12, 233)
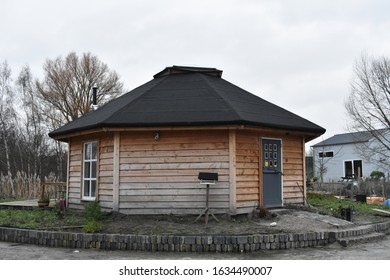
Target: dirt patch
(278, 221)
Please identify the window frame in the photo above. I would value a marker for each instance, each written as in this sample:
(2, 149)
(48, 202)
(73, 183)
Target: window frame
(353, 163)
(92, 172)
(326, 154)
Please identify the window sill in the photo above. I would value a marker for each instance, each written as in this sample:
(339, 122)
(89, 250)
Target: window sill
(88, 199)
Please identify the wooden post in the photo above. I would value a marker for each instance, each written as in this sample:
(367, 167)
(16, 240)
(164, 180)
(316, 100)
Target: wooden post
(232, 172)
(206, 214)
(115, 194)
(260, 167)
(304, 172)
(206, 211)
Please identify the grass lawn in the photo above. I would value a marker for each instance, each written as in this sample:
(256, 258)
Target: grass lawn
(329, 205)
(89, 220)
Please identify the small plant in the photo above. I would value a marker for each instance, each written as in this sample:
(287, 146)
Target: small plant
(44, 199)
(93, 211)
(264, 212)
(376, 175)
(92, 227)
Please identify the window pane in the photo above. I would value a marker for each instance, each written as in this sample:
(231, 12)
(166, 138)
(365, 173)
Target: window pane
(93, 188)
(93, 175)
(87, 151)
(357, 168)
(86, 187)
(348, 168)
(94, 150)
(87, 170)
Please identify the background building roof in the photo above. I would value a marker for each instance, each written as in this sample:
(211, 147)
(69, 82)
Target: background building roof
(346, 138)
(188, 96)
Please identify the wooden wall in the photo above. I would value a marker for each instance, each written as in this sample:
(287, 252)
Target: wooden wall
(247, 171)
(161, 176)
(74, 173)
(293, 170)
(105, 171)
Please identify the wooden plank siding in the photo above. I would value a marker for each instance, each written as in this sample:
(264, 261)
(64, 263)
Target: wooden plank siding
(105, 170)
(74, 173)
(161, 176)
(105, 179)
(293, 170)
(247, 171)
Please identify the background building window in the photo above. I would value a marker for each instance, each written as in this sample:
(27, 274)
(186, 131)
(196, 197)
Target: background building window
(353, 168)
(325, 154)
(90, 170)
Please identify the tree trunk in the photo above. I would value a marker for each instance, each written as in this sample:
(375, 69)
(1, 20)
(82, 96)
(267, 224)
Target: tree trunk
(8, 163)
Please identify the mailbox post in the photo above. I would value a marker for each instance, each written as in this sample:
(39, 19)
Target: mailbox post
(207, 179)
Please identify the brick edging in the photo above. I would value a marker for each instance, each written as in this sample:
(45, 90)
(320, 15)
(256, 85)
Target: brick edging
(178, 243)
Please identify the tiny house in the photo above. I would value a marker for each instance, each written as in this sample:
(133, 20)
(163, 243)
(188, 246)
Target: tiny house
(142, 152)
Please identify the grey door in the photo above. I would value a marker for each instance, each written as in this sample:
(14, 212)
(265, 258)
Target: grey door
(272, 173)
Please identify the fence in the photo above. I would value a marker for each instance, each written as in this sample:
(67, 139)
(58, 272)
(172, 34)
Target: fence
(23, 185)
(368, 187)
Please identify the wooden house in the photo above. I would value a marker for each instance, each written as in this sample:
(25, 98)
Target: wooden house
(142, 152)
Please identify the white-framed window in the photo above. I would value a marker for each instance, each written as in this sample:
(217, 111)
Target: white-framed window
(90, 170)
(353, 168)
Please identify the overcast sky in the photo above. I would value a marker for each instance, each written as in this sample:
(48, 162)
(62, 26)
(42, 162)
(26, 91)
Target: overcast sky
(298, 54)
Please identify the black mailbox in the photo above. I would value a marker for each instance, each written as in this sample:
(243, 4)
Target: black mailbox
(205, 176)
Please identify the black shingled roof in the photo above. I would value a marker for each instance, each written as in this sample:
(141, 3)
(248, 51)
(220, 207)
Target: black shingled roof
(188, 96)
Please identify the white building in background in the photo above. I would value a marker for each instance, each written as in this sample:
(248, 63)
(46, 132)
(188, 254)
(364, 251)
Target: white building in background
(349, 155)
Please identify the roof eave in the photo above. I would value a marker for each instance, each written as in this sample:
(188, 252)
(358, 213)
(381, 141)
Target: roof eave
(64, 136)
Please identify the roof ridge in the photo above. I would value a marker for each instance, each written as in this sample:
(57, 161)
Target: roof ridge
(231, 107)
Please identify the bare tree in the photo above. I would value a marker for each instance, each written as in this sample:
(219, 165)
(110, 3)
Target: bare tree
(7, 118)
(368, 105)
(34, 142)
(68, 82)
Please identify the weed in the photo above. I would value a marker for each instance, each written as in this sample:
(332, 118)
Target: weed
(92, 227)
(93, 211)
(264, 212)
